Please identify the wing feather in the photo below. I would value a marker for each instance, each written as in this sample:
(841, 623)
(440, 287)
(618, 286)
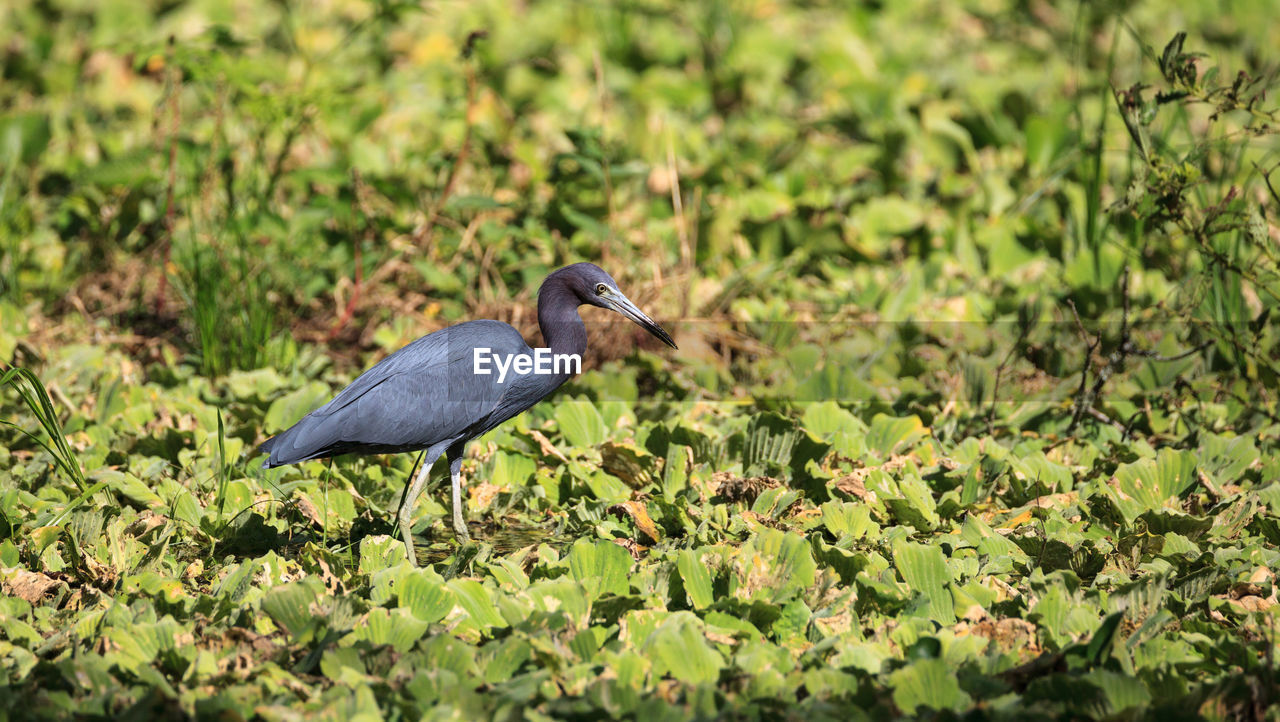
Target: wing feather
(422, 395)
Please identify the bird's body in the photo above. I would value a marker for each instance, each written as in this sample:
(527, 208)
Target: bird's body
(423, 395)
(435, 395)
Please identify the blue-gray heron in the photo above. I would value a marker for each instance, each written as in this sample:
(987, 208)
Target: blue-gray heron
(451, 386)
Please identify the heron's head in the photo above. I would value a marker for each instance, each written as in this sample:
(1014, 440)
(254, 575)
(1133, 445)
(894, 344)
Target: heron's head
(596, 288)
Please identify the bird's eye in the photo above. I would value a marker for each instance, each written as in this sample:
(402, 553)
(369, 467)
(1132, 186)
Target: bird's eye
(601, 289)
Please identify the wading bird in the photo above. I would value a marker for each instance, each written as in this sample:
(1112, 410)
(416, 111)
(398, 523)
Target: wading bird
(451, 386)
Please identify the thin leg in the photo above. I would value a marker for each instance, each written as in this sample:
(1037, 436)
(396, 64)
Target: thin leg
(405, 515)
(455, 474)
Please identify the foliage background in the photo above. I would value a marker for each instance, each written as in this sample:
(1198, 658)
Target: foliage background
(973, 413)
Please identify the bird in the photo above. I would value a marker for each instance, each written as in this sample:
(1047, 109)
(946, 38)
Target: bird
(449, 387)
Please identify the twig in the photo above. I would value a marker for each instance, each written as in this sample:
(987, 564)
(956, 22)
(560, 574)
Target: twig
(470, 122)
(677, 204)
(175, 86)
(604, 113)
(1104, 418)
(1091, 346)
(423, 234)
(1201, 235)
(277, 166)
(465, 242)
(1115, 361)
(682, 224)
(56, 393)
(360, 208)
(995, 391)
(1266, 178)
(208, 175)
(1153, 356)
(1214, 492)
(452, 179)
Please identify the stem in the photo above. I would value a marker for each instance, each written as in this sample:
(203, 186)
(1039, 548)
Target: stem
(360, 207)
(175, 86)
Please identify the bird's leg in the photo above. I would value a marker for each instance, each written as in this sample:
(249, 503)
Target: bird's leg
(405, 514)
(455, 474)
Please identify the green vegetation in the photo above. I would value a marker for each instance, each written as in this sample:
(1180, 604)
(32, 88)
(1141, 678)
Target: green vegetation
(974, 412)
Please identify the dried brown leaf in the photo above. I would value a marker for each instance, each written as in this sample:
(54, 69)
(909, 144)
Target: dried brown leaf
(483, 494)
(545, 445)
(637, 550)
(735, 489)
(640, 516)
(31, 586)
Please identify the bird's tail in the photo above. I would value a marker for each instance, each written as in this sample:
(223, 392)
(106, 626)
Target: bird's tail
(310, 438)
(289, 446)
(266, 447)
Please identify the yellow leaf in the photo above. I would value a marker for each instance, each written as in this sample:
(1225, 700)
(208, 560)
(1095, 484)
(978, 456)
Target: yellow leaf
(1017, 521)
(640, 516)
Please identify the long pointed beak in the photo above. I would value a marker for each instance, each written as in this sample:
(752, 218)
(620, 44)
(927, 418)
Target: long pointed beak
(624, 306)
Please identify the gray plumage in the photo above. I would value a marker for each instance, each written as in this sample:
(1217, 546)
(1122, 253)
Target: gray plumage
(428, 396)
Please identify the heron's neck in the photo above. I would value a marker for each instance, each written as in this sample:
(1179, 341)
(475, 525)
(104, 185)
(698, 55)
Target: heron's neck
(558, 318)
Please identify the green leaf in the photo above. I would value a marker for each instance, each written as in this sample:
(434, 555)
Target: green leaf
(449, 653)
(580, 423)
(131, 488)
(288, 409)
(378, 552)
(916, 505)
(884, 217)
(774, 565)
(397, 628)
(600, 567)
(1100, 645)
(140, 643)
(1150, 484)
(343, 665)
(1122, 692)
(23, 137)
(501, 660)
(1226, 459)
(889, 434)
(928, 683)
(770, 440)
(846, 519)
(290, 606)
(474, 598)
(566, 595)
(605, 487)
(826, 419)
(425, 596)
(36, 398)
(675, 470)
(696, 578)
(678, 648)
(924, 569)
(510, 469)
(633, 465)
(793, 622)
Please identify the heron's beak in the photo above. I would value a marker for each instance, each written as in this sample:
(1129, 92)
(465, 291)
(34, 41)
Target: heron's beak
(623, 305)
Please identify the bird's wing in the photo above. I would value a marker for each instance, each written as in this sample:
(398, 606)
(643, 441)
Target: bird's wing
(421, 408)
(428, 354)
(424, 394)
